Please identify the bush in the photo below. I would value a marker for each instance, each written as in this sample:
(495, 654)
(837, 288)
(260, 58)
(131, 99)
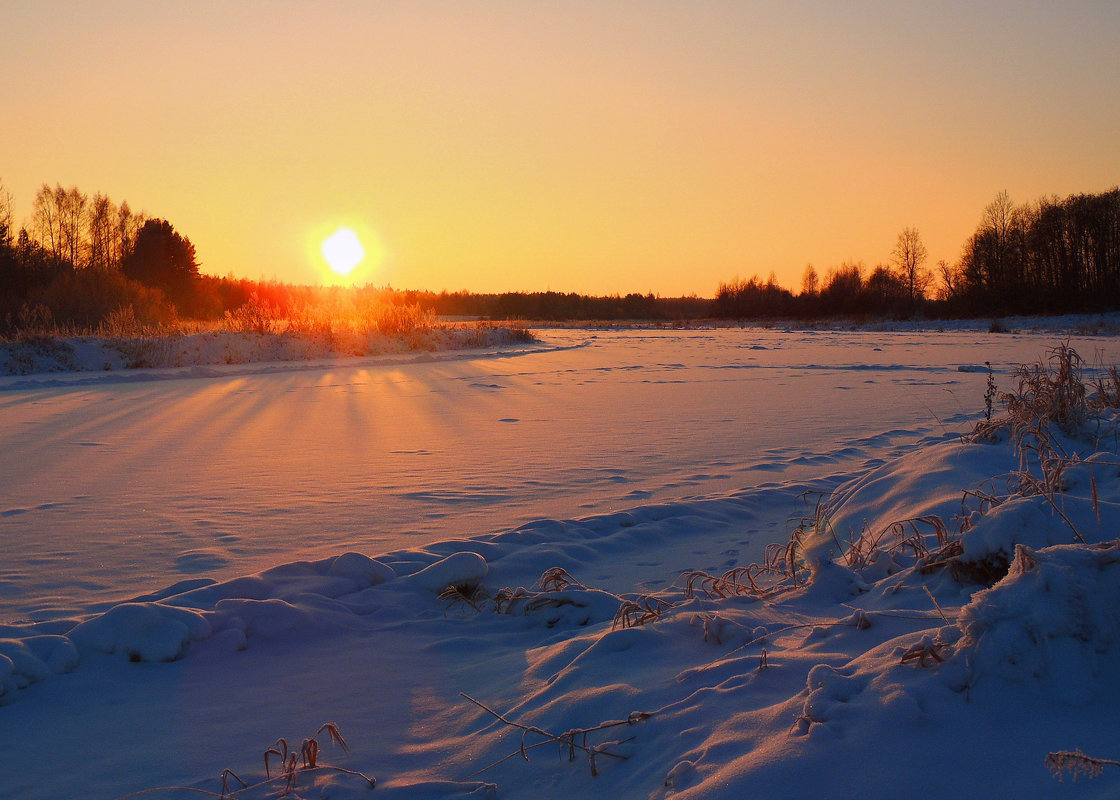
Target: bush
(85, 298)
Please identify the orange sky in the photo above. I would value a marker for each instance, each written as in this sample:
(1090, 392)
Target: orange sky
(596, 147)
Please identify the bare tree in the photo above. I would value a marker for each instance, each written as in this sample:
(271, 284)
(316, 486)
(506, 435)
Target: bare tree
(102, 231)
(810, 281)
(44, 221)
(950, 280)
(998, 216)
(128, 228)
(72, 205)
(7, 235)
(908, 256)
(58, 218)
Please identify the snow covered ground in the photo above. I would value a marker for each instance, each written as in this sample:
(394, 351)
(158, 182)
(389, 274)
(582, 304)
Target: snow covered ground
(195, 562)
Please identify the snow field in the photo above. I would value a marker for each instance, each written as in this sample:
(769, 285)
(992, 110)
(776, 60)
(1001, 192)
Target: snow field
(869, 664)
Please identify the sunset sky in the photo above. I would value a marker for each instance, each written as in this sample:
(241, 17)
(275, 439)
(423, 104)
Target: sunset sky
(596, 147)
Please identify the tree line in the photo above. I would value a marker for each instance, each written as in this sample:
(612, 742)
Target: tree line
(80, 258)
(1049, 257)
(559, 306)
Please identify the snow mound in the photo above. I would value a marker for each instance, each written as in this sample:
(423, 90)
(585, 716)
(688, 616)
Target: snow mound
(1085, 488)
(142, 631)
(927, 482)
(23, 662)
(461, 570)
(572, 606)
(362, 568)
(1053, 623)
(163, 627)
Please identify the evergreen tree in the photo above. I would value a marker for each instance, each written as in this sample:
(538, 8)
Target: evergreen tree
(164, 259)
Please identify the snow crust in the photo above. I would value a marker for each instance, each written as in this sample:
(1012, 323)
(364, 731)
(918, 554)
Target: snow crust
(857, 677)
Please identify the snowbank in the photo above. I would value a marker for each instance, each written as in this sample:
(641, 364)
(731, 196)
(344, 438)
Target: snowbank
(85, 354)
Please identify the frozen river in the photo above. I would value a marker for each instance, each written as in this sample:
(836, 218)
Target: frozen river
(112, 488)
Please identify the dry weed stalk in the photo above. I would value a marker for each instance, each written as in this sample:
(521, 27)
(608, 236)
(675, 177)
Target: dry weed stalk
(557, 579)
(817, 523)
(570, 741)
(290, 768)
(787, 559)
(461, 594)
(901, 535)
(513, 600)
(927, 654)
(643, 610)
(308, 760)
(782, 563)
(1076, 764)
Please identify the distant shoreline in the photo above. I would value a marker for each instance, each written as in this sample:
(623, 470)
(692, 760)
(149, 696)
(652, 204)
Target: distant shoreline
(1099, 324)
(85, 354)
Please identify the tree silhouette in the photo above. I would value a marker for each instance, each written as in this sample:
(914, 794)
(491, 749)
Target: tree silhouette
(908, 256)
(162, 258)
(7, 221)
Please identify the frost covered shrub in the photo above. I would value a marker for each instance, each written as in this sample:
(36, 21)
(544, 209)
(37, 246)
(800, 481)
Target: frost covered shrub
(1053, 391)
(395, 320)
(1050, 392)
(1108, 389)
(257, 315)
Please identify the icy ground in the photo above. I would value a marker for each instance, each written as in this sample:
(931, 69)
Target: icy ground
(283, 532)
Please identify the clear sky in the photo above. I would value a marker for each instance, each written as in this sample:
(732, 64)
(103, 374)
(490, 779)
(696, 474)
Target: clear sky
(593, 146)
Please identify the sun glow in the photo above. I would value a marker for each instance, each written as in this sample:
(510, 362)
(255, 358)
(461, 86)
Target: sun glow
(343, 251)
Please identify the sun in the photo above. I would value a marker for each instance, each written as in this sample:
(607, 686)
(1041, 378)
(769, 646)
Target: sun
(343, 251)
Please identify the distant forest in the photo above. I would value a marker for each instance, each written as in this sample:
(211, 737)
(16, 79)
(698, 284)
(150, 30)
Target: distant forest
(1049, 257)
(81, 259)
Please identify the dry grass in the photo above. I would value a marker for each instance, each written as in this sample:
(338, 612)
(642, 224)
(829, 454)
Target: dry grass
(1052, 392)
(925, 537)
(1051, 399)
(292, 766)
(456, 594)
(1108, 388)
(547, 592)
(568, 743)
(640, 611)
(347, 325)
(339, 315)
